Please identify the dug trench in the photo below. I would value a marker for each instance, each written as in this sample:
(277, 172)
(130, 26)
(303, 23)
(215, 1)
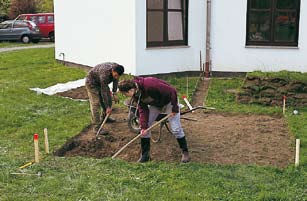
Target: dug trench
(215, 138)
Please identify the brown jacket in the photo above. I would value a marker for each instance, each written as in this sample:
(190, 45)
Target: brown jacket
(99, 78)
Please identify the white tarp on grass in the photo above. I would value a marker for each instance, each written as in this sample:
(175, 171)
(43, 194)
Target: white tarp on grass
(60, 87)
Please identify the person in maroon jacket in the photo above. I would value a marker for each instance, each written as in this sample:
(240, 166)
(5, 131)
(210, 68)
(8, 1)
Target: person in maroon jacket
(154, 96)
(100, 96)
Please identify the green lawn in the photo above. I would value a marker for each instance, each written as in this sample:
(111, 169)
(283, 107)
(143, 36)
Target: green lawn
(19, 44)
(23, 112)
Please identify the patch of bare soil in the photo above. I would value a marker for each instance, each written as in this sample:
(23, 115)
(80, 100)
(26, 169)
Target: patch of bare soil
(79, 93)
(214, 138)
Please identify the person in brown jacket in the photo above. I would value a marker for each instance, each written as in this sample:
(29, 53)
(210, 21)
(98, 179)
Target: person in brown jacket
(99, 93)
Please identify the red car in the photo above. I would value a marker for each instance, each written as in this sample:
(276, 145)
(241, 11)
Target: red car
(45, 22)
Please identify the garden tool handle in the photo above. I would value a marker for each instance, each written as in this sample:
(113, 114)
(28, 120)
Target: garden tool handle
(136, 137)
(104, 121)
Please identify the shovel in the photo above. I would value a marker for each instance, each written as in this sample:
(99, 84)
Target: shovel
(104, 121)
(148, 129)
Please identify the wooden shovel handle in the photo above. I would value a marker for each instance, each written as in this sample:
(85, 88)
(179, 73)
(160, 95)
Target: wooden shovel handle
(148, 129)
(104, 121)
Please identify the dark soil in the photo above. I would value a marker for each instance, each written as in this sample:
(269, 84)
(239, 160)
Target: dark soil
(79, 93)
(214, 138)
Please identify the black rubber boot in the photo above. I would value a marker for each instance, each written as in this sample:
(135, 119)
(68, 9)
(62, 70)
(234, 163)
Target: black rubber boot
(184, 147)
(145, 148)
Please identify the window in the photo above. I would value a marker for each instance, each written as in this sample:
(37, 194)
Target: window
(50, 19)
(19, 24)
(272, 22)
(33, 19)
(41, 19)
(167, 22)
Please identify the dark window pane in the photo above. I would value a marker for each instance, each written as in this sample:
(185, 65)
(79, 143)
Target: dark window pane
(273, 22)
(175, 26)
(33, 19)
(260, 4)
(155, 4)
(259, 26)
(155, 26)
(286, 4)
(174, 4)
(285, 27)
(41, 19)
(50, 19)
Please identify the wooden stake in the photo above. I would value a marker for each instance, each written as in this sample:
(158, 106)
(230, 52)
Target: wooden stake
(148, 129)
(187, 102)
(46, 141)
(187, 86)
(284, 105)
(36, 149)
(297, 153)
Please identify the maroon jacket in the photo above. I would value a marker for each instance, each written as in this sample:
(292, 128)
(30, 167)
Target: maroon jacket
(154, 92)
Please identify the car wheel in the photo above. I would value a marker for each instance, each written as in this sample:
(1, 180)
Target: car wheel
(25, 39)
(51, 37)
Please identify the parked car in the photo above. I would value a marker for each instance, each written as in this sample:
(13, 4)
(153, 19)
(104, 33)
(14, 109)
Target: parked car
(19, 30)
(45, 22)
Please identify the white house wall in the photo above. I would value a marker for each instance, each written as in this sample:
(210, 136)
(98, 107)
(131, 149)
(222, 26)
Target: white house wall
(229, 52)
(95, 31)
(173, 59)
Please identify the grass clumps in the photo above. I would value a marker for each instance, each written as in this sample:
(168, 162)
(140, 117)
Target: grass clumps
(287, 75)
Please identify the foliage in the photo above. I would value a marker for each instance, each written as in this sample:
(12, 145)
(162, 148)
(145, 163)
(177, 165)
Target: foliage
(45, 6)
(23, 112)
(12, 8)
(21, 7)
(4, 6)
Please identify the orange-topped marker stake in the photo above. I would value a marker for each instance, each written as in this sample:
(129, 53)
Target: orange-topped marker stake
(36, 149)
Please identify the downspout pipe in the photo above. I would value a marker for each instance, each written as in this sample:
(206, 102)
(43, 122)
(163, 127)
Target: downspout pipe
(208, 44)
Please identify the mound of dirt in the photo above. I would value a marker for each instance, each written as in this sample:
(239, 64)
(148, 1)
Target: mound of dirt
(79, 93)
(214, 138)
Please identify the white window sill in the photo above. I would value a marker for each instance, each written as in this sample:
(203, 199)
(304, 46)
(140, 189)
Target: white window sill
(167, 47)
(271, 47)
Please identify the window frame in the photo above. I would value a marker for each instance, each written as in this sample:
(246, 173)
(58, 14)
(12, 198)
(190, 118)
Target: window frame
(166, 42)
(273, 10)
